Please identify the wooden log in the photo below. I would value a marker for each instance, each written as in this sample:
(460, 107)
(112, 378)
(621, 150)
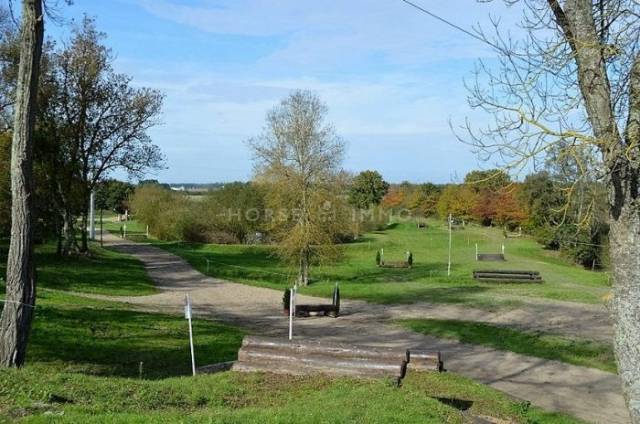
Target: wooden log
(506, 271)
(308, 310)
(280, 367)
(398, 264)
(421, 360)
(505, 276)
(491, 257)
(320, 362)
(308, 347)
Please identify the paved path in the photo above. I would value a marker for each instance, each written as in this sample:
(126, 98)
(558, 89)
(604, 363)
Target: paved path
(587, 393)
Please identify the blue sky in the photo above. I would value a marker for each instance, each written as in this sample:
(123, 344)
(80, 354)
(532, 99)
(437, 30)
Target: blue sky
(391, 76)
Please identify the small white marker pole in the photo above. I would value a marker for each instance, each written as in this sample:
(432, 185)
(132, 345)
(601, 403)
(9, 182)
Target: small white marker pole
(147, 231)
(187, 313)
(503, 248)
(476, 251)
(382, 255)
(292, 307)
(125, 230)
(449, 265)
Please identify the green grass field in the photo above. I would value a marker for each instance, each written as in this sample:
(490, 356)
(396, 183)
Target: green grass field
(84, 365)
(427, 281)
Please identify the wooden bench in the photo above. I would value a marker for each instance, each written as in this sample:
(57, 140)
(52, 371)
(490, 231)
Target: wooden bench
(304, 357)
(491, 257)
(507, 276)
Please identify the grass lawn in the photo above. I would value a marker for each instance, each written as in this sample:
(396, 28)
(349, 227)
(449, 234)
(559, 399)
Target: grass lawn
(426, 281)
(578, 352)
(102, 272)
(84, 366)
(253, 398)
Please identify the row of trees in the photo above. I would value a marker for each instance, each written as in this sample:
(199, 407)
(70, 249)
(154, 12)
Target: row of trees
(539, 205)
(90, 121)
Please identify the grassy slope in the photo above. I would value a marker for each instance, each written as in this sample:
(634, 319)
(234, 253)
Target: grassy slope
(578, 352)
(427, 281)
(253, 398)
(83, 354)
(103, 272)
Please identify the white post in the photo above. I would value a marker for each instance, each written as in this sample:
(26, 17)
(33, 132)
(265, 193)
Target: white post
(187, 313)
(126, 214)
(147, 231)
(124, 227)
(292, 307)
(502, 248)
(476, 251)
(449, 265)
(382, 255)
(92, 215)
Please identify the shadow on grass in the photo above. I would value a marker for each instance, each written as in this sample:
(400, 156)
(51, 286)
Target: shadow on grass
(115, 341)
(548, 346)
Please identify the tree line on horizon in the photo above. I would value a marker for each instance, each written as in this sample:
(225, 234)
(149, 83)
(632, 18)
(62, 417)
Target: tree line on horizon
(235, 212)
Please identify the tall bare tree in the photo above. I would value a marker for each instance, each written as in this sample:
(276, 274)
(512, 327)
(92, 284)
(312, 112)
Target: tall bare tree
(17, 314)
(567, 85)
(98, 123)
(299, 155)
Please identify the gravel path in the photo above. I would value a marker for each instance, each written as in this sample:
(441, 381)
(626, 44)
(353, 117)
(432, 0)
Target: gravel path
(587, 393)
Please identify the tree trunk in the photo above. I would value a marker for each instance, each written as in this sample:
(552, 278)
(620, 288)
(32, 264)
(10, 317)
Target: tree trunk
(84, 247)
(625, 258)
(17, 313)
(69, 233)
(625, 251)
(303, 273)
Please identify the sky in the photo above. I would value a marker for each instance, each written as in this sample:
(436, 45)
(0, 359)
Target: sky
(391, 76)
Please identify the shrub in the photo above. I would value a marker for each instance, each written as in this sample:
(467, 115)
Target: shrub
(410, 259)
(378, 258)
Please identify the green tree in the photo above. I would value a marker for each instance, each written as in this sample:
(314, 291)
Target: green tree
(236, 209)
(299, 156)
(367, 189)
(113, 195)
(491, 180)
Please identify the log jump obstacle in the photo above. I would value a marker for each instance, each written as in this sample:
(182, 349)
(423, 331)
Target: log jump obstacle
(495, 257)
(330, 310)
(307, 357)
(381, 263)
(507, 276)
